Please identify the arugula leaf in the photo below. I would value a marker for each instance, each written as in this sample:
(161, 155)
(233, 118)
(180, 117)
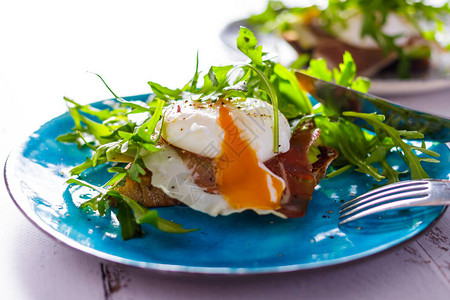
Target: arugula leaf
(99, 131)
(345, 75)
(116, 178)
(270, 13)
(318, 68)
(74, 137)
(86, 165)
(347, 71)
(136, 169)
(293, 100)
(413, 161)
(130, 213)
(143, 215)
(107, 86)
(96, 204)
(164, 93)
(247, 43)
(101, 190)
(100, 114)
(361, 84)
(349, 140)
(195, 78)
(145, 130)
(128, 225)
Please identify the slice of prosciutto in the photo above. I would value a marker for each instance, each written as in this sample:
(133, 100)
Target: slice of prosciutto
(300, 176)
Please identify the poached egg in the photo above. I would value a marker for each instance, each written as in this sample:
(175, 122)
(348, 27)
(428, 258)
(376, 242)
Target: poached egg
(237, 136)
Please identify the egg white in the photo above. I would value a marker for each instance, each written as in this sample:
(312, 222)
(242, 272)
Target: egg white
(193, 126)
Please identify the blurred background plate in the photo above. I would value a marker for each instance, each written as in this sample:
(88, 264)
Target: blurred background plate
(438, 78)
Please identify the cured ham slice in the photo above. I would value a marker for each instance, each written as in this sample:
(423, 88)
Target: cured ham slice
(300, 176)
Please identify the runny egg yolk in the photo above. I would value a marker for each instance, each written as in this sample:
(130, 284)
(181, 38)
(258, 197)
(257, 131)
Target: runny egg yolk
(243, 180)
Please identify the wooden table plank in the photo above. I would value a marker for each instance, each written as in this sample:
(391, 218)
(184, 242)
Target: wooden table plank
(435, 244)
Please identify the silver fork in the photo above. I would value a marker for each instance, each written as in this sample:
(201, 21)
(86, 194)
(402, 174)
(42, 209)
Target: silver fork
(426, 192)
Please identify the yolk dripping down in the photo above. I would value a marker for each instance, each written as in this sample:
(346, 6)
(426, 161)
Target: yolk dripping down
(243, 180)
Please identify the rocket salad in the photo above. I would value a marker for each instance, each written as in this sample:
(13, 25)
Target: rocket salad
(118, 138)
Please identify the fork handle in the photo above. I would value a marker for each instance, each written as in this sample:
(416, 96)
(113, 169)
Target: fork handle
(440, 193)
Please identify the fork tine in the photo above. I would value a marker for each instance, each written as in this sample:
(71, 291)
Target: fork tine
(381, 208)
(411, 195)
(397, 192)
(386, 190)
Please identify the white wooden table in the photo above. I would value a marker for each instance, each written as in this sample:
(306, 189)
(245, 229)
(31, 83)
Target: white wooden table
(47, 47)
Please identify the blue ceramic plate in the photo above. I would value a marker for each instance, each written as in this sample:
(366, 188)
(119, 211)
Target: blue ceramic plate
(35, 173)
